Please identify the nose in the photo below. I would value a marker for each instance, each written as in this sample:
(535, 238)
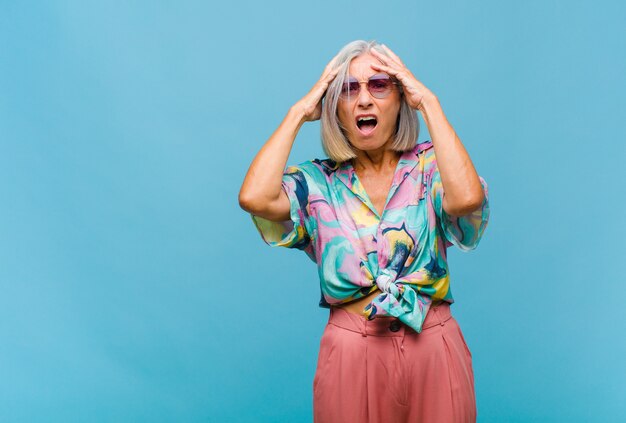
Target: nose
(365, 98)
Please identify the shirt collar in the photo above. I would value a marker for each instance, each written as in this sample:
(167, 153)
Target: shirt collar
(408, 160)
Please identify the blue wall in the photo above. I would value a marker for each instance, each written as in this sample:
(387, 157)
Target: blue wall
(134, 288)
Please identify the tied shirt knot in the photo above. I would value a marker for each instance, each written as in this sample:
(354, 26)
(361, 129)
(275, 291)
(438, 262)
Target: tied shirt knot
(386, 283)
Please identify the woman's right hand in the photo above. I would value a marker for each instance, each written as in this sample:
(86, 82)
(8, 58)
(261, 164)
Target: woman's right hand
(311, 104)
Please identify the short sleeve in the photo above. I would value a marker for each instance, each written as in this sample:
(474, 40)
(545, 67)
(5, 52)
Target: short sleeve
(290, 233)
(463, 231)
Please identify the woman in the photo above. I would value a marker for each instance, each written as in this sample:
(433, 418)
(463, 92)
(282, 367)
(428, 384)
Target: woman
(375, 219)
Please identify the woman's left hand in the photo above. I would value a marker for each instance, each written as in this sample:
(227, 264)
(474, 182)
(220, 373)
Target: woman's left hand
(414, 91)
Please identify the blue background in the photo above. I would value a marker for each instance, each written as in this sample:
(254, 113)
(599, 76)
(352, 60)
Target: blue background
(134, 288)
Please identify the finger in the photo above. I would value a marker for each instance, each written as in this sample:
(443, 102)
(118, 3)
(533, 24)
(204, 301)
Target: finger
(384, 59)
(403, 75)
(333, 73)
(385, 68)
(392, 54)
(324, 82)
(328, 77)
(387, 60)
(329, 71)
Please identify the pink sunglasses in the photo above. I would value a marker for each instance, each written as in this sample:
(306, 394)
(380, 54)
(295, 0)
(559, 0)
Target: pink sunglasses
(379, 86)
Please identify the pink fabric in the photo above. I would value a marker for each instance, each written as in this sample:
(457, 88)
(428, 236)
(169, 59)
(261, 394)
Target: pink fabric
(368, 373)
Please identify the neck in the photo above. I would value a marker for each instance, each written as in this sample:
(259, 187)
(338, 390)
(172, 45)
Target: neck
(375, 160)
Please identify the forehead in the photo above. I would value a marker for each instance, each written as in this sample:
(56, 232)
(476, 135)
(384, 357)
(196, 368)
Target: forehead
(360, 66)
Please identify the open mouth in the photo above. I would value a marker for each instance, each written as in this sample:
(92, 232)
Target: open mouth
(366, 124)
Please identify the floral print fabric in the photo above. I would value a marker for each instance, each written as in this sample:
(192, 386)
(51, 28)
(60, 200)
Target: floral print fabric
(401, 253)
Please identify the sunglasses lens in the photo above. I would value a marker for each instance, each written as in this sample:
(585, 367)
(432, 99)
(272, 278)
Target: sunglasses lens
(350, 88)
(379, 85)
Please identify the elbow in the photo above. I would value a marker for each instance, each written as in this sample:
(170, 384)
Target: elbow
(472, 205)
(468, 206)
(253, 204)
(247, 203)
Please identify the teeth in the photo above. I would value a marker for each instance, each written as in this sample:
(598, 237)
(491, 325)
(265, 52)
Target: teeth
(362, 119)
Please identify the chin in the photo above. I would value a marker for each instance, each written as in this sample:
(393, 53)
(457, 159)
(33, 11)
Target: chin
(367, 144)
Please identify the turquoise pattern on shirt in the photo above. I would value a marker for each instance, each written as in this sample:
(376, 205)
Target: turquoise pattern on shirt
(334, 222)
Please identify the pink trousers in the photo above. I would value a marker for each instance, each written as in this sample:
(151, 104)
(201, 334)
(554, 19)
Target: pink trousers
(382, 371)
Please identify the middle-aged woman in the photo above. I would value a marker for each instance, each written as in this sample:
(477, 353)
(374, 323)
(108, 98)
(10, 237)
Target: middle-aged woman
(375, 219)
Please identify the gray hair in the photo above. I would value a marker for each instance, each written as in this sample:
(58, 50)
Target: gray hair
(334, 142)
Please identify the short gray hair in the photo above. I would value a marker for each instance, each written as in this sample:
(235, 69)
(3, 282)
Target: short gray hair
(334, 142)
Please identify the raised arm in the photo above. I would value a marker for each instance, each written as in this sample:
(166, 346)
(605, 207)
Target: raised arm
(461, 183)
(261, 192)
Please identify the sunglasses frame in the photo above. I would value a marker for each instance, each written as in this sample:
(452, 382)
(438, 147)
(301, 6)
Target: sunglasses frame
(348, 81)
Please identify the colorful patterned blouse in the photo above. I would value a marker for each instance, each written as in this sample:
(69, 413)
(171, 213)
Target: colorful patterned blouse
(401, 253)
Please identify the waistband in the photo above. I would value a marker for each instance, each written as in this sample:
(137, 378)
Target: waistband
(386, 325)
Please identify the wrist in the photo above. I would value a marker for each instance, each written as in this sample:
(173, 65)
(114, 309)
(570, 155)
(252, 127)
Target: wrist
(296, 113)
(429, 102)
(430, 105)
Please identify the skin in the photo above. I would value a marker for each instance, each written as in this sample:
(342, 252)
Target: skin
(261, 192)
(463, 191)
(375, 162)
